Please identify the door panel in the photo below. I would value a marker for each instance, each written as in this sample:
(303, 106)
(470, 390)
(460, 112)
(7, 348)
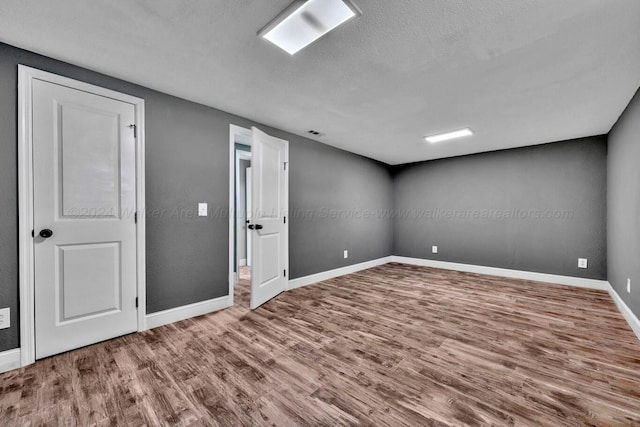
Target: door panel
(269, 249)
(89, 148)
(84, 191)
(270, 260)
(82, 298)
(269, 176)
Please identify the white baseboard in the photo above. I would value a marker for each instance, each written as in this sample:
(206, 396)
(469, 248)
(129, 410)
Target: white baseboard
(503, 272)
(243, 262)
(493, 271)
(9, 360)
(187, 311)
(326, 275)
(629, 316)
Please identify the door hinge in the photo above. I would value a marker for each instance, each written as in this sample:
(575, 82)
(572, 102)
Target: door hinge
(135, 130)
(285, 273)
(285, 165)
(135, 217)
(136, 302)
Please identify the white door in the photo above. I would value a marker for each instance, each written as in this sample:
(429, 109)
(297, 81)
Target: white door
(269, 248)
(248, 205)
(85, 232)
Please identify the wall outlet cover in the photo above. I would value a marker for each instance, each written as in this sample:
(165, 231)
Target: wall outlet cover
(203, 209)
(346, 253)
(628, 286)
(582, 263)
(434, 249)
(5, 318)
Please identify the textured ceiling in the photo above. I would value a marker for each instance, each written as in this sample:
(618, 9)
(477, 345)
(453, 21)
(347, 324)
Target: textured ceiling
(517, 72)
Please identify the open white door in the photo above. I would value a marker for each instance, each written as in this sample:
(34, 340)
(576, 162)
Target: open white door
(269, 203)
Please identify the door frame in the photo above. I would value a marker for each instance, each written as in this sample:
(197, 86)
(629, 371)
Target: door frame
(26, 247)
(246, 135)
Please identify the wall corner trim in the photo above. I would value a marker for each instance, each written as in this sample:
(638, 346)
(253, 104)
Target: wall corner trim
(176, 314)
(503, 272)
(330, 274)
(628, 315)
(10, 360)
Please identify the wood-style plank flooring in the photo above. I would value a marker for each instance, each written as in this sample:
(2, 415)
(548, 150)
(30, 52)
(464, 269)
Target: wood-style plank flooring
(394, 345)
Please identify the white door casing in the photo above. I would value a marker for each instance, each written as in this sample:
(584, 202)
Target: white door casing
(269, 203)
(85, 188)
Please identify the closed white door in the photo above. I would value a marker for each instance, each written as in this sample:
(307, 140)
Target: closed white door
(269, 246)
(85, 231)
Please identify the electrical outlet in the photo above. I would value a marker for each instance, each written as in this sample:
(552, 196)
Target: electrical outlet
(346, 253)
(203, 209)
(5, 318)
(434, 249)
(582, 263)
(628, 286)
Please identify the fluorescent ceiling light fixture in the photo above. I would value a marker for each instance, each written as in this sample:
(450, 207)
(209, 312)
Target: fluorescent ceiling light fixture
(305, 21)
(449, 135)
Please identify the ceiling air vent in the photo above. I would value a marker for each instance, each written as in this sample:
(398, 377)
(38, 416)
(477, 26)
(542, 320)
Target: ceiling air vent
(315, 133)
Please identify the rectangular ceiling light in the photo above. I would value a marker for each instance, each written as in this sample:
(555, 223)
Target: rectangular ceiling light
(305, 21)
(449, 135)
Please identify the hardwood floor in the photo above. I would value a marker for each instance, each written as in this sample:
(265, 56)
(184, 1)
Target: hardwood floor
(393, 345)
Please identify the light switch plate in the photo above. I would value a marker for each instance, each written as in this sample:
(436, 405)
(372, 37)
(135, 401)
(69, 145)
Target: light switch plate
(346, 253)
(434, 249)
(582, 263)
(5, 318)
(203, 209)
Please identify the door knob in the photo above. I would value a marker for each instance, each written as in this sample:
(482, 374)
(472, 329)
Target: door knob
(255, 227)
(258, 227)
(46, 233)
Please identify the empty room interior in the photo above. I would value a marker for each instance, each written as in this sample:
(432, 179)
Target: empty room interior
(320, 213)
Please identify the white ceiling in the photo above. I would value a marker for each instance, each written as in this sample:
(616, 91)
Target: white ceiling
(518, 72)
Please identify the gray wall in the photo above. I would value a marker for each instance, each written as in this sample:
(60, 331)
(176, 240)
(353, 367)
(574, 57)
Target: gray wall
(187, 162)
(480, 191)
(337, 202)
(623, 191)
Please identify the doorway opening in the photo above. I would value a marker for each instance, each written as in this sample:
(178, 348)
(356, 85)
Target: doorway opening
(258, 225)
(242, 207)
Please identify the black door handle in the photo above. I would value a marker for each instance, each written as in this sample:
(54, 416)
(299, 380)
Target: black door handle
(258, 227)
(255, 227)
(46, 233)
(251, 227)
